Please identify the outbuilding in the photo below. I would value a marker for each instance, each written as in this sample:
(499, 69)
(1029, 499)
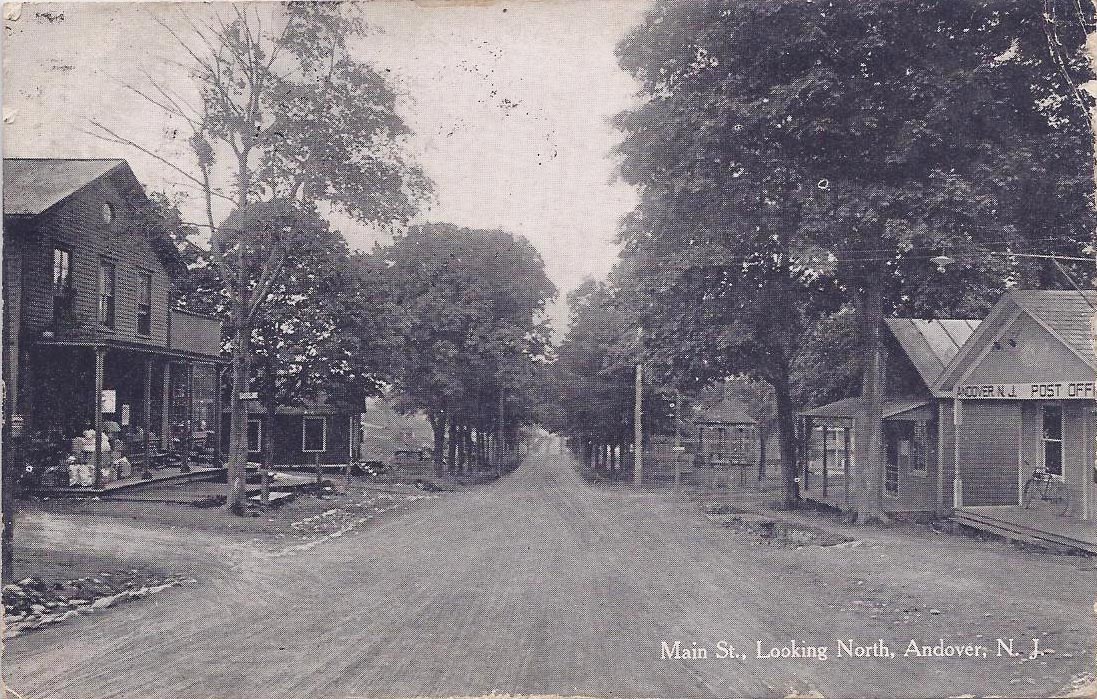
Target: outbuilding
(1023, 390)
(916, 423)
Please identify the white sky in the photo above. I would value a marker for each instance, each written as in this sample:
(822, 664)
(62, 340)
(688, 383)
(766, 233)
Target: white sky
(510, 109)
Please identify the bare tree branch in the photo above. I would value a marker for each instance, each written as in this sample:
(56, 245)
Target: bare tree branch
(114, 137)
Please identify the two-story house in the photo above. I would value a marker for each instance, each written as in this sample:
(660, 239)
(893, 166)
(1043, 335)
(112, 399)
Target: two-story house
(91, 340)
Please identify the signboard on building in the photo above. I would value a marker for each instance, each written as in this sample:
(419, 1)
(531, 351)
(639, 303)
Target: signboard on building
(1054, 390)
(109, 400)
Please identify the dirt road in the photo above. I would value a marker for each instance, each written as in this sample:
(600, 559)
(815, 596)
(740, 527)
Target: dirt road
(541, 583)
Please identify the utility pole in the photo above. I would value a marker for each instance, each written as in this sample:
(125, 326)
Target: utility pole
(638, 428)
(500, 445)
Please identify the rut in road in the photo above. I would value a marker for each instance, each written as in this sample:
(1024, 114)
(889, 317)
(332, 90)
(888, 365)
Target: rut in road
(536, 583)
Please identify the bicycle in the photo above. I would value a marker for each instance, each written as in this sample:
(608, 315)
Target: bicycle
(1046, 487)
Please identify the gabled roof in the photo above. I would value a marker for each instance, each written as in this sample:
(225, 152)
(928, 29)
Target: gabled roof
(931, 345)
(1064, 314)
(728, 411)
(32, 185)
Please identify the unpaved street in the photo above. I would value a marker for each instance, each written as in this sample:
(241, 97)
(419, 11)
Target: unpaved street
(541, 583)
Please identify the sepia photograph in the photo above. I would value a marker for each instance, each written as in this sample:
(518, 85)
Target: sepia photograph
(549, 349)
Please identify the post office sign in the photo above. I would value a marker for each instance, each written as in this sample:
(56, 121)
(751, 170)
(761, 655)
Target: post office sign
(1053, 390)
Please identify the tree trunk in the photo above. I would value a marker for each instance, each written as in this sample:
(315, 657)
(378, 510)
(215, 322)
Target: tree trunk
(1091, 89)
(786, 425)
(438, 428)
(268, 434)
(238, 429)
(236, 475)
(470, 449)
(7, 491)
(868, 458)
(452, 464)
(763, 437)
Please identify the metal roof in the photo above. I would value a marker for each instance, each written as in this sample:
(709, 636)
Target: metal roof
(931, 345)
(32, 185)
(849, 407)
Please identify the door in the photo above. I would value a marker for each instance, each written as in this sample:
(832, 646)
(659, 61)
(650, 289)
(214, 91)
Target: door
(1052, 420)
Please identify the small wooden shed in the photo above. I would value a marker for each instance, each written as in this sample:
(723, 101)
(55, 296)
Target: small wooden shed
(727, 439)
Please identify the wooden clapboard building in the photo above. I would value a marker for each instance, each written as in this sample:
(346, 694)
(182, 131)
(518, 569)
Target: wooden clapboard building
(91, 340)
(916, 353)
(1021, 395)
(324, 431)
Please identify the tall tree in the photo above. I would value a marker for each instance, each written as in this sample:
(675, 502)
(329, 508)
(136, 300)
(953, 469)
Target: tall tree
(467, 309)
(287, 117)
(873, 135)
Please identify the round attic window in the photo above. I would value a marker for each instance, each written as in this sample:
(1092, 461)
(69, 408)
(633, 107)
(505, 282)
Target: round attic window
(108, 212)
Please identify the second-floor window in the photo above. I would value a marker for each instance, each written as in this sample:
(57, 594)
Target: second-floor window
(144, 303)
(62, 285)
(107, 273)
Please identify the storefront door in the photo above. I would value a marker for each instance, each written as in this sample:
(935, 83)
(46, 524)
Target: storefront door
(1052, 421)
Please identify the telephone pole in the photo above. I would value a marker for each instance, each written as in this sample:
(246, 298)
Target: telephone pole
(638, 428)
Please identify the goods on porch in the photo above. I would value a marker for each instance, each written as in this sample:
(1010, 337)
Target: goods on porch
(89, 442)
(122, 467)
(81, 462)
(81, 474)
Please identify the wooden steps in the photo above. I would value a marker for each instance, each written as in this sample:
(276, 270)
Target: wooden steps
(1011, 523)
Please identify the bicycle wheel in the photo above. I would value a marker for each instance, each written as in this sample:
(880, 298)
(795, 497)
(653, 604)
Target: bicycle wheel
(1064, 498)
(1027, 493)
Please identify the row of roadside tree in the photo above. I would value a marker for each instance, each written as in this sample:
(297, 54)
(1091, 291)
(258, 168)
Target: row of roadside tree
(289, 130)
(800, 165)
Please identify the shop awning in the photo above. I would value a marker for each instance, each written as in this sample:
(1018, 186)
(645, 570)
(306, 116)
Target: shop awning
(137, 347)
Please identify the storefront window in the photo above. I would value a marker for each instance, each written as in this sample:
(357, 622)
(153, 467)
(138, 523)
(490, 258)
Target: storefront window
(1053, 439)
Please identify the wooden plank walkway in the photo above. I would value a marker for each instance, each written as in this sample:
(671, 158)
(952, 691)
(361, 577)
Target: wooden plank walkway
(159, 477)
(1034, 526)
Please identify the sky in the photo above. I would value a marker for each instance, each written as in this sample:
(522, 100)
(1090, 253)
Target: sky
(510, 104)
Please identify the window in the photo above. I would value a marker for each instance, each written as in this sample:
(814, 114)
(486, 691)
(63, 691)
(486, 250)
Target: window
(314, 433)
(920, 448)
(144, 303)
(107, 212)
(62, 285)
(106, 293)
(255, 435)
(1053, 439)
(899, 438)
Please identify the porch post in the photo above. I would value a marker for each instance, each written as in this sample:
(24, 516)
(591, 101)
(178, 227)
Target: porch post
(218, 417)
(939, 501)
(147, 412)
(100, 363)
(826, 433)
(165, 414)
(188, 442)
(809, 428)
(957, 482)
(845, 465)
